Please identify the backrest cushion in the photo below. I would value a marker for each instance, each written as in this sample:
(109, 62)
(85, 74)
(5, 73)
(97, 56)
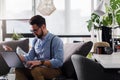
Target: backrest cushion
(81, 48)
(23, 44)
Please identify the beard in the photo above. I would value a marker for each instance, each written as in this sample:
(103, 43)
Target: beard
(40, 35)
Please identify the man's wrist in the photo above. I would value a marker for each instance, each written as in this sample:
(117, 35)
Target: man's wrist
(42, 62)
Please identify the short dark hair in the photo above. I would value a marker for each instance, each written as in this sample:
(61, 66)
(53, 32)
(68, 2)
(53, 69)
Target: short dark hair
(38, 20)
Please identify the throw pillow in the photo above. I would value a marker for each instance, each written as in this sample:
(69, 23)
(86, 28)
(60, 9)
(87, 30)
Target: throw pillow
(23, 44)
(82, 48)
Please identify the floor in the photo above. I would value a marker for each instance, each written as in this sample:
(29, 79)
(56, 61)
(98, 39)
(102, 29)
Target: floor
(8, 77)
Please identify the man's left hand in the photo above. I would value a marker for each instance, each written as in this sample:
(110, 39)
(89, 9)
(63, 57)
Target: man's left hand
(32, 64)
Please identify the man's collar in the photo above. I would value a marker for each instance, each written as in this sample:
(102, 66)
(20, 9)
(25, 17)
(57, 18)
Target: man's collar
(46, 36)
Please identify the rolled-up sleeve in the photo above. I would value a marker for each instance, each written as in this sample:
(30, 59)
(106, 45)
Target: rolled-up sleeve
(58, 52)
(31, 54)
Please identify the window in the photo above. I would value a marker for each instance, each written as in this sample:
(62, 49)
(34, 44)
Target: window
(69, 18)
(18, 9)
(17, 14)
(56, 21)
(80, 13)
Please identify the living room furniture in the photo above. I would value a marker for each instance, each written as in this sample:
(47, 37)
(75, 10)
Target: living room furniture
(81, 48)
(87, 69)
(23, 44)
(108, 61)
(4, 68)
(100, 44)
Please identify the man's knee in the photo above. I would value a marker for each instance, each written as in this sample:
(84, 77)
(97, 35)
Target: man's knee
(20, 74)
(37, 70)
(19, 70)
(37, 73)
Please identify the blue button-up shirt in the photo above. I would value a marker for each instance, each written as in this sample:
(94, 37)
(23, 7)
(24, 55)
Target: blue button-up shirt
(41, 50)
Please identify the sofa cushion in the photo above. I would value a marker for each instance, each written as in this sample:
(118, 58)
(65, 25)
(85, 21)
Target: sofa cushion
(81, 48)
(23, 44)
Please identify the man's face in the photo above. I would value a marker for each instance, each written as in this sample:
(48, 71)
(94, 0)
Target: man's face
(37, 31)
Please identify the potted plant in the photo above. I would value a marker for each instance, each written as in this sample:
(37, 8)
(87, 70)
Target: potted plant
(111, 17)
(16, 36)
(115, 5)
(110, 20)
(93, 22)
(96, 23)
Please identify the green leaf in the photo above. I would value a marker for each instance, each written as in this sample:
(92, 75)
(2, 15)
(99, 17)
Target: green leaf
(118, 19)
(115, 4)
(16, 36)
(89, 26)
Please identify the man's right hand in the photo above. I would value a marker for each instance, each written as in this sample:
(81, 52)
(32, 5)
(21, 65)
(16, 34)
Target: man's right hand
(7, 48)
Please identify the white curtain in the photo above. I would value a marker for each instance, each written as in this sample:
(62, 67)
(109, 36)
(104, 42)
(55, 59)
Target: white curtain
(2, 8)
(2, 14)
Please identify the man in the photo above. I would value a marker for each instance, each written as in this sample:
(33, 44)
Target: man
(41, 65)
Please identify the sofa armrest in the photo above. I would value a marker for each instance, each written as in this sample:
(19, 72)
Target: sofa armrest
(23, 44)
(87, 69)
(81, 48)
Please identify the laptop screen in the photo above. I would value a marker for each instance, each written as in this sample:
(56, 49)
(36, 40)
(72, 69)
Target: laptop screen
(12, 59)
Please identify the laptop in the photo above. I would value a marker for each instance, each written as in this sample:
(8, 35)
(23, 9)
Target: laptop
(12, 59)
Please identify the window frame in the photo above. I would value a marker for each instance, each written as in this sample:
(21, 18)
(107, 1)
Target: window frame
(30, 35)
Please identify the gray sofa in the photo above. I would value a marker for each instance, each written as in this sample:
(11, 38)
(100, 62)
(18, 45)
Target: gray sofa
(81, 48)
(23, 44)
(87, 69)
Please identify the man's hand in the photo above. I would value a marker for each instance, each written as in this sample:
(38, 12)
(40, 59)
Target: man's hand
(32, 64)
(7, 48)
